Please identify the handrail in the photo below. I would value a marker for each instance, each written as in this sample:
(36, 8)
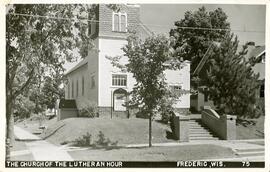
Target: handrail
(222, 125)
(212, 113)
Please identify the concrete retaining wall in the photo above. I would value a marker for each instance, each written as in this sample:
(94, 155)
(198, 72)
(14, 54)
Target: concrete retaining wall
(180, 127)
(223, 126)
(67, 113)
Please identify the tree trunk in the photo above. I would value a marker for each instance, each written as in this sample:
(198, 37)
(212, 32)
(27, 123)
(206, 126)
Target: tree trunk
(9, 129)
(150, 130)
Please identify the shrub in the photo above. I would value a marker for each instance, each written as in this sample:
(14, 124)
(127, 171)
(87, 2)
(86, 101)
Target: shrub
(87, 108)
(101, 142)
(85, 140)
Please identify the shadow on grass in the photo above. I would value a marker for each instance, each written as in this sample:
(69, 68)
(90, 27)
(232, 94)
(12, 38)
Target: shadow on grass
(259, 133)
(245, 122)
(169, 135)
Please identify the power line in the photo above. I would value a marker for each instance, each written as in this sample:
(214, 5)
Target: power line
(142, 24)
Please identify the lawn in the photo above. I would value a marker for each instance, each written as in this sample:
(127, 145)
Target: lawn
(254, 130)
(171, 153)
(32, 124)
(124, 131)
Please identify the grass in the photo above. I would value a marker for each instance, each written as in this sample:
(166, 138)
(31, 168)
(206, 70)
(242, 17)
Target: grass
(255, 131)
(171, 153)
(122, 131)
(33, 125)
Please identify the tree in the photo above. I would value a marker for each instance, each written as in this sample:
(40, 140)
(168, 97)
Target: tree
(197, 31)
(147, 61)
(231, 81)
(39, 39)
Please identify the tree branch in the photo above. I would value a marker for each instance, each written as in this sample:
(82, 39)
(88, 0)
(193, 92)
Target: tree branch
(25, 84)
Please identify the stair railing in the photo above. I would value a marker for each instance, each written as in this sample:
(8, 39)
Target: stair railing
(224, 126)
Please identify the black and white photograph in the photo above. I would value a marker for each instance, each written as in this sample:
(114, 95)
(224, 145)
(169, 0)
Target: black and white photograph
(130, 85)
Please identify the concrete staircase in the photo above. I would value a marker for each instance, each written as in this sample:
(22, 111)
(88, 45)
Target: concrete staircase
(247, 152)
(197, 131)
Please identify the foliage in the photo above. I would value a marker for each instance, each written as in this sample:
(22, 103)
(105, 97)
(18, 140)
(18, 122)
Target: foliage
(39, 39)
(101, 142)
(24, 107)
(191, 44)
(87, 108)
(231, 80)
(85, 140)
(147, 60)
(51, 91)
(165, 105)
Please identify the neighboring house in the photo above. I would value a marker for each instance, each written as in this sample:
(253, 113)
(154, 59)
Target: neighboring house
(95, 79)
(198, 101)
(259, 68)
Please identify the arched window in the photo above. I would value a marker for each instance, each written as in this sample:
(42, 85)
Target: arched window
(72, 89)
(77, 88)
(119, 22)
(82, 85)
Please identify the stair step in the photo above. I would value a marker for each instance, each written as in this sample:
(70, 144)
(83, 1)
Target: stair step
(255, 153)
(203, 138)
(200, 134)
(197, 128)
(195, 125)
(249, 150)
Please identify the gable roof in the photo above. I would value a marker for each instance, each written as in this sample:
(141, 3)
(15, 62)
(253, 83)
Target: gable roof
(81, 63)
(258, 51)
(143, 32)
(258, 68)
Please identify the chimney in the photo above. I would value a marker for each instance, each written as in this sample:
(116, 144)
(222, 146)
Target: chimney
(250, 48)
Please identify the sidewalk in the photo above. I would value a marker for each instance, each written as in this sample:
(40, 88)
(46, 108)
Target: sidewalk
(236, 145)
(41, 149)
(23, 135)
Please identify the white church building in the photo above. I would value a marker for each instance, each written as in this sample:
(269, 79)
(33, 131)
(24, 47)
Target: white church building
(95, 79)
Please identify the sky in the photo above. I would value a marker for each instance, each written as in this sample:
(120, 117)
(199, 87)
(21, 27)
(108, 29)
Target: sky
(160, 18)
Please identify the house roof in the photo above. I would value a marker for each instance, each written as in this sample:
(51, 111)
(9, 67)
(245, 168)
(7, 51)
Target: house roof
(143, 32)
(256, 51)
(259, 67)
(80, 63)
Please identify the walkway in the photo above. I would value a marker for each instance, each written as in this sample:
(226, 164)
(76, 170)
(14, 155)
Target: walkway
(41, 149)
(240, 147)
(23, 135)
